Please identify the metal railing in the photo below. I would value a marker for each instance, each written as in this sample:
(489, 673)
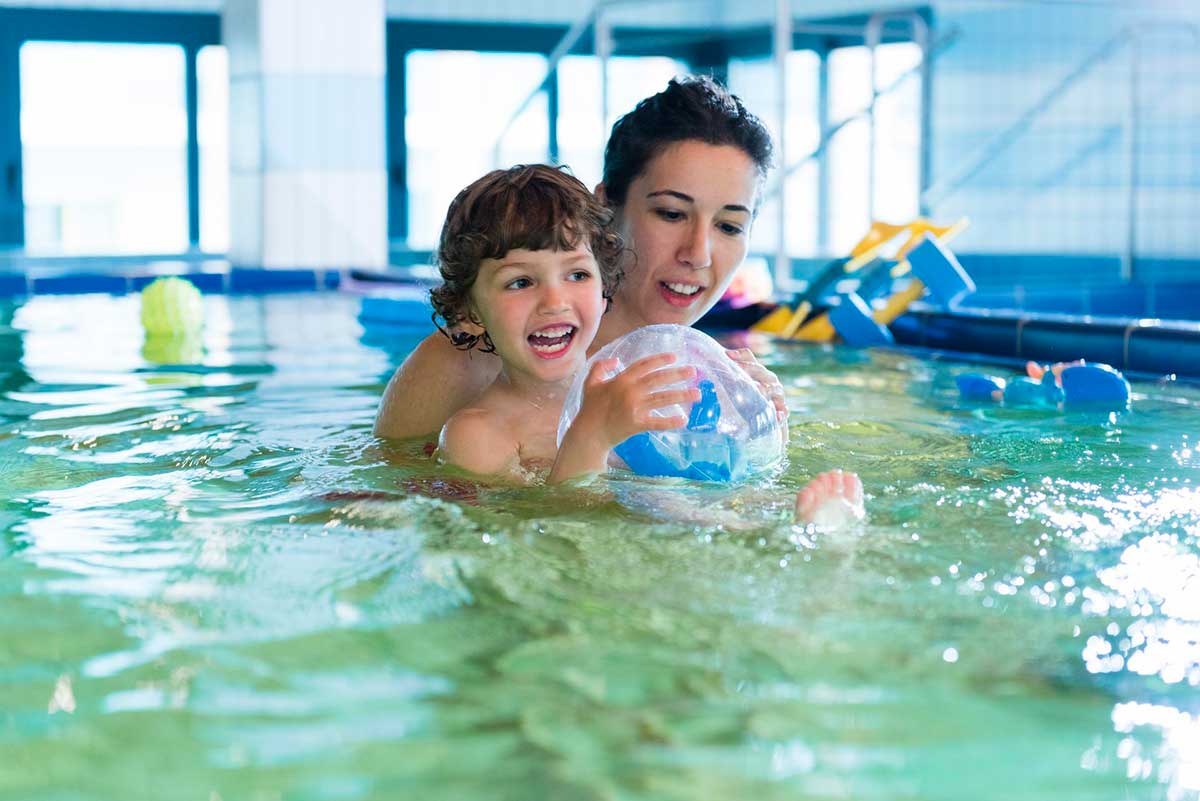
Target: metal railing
(595, 20)
(783, 27)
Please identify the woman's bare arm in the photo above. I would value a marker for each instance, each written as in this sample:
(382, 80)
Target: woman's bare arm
(434, 382)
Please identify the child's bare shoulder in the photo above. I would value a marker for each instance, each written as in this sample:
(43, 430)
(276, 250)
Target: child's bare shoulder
(480, 439)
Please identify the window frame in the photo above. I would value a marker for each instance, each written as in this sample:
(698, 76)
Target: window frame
(191, 31)
(700, 49)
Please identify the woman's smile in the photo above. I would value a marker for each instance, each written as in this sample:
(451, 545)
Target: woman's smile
(687, 217)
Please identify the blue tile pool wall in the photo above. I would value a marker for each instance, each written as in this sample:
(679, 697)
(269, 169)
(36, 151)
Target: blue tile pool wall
(211, 283)
(79, 284)
(238, 280)
(11, 285)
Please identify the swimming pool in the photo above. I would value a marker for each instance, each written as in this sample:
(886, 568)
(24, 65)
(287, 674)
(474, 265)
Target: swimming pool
(197, 605)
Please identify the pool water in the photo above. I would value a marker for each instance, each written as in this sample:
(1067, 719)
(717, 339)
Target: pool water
(216, 584)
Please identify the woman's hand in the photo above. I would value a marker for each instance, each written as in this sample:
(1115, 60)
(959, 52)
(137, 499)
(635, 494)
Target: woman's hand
(768, 383)
(615, 409)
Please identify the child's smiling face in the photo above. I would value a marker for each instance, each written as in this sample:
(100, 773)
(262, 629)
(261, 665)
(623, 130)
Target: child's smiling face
(541, 309)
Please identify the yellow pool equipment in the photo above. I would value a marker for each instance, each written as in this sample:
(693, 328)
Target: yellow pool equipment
(859, 317)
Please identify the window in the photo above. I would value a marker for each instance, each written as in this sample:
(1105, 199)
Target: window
(849, 94)
(898, 132)
(754, 81)
(897, 139)
(104, 147)
(582, 134)
(458, 103)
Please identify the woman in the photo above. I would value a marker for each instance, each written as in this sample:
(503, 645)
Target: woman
(683, 173)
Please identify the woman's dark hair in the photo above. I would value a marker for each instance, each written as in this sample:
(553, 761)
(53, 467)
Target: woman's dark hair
(692, 108)
(528, 207)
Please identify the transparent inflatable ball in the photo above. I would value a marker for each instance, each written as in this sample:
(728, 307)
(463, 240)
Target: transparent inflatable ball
(732, 431)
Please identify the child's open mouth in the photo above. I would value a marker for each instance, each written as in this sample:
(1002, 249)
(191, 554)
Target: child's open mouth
(679, 294)
(552, 342)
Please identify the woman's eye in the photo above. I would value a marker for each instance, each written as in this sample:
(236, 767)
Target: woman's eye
(731, 229)
(670, 215)
(518, 283)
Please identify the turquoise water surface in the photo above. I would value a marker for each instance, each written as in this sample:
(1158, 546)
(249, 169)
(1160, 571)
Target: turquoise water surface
(216, 584)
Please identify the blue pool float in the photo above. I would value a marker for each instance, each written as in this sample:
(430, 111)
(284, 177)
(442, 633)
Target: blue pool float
(1082, 385)
(401, 307)
(1094, 383)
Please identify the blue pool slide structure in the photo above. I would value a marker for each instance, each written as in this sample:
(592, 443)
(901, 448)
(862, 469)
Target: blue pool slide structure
(931, 263)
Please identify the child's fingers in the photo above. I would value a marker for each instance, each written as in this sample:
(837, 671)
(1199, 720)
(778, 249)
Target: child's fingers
(599, 370)
(657, 400)
(671, 375)
(648, 364)
(655, 423)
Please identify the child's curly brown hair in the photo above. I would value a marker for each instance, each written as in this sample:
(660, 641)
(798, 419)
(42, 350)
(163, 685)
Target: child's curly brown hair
(528, 207)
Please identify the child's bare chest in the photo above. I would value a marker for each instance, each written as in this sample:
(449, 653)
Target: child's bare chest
(538, 446)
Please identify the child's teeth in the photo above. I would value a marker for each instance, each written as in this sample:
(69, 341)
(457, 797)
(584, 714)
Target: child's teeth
(552, 340)
(683, 289)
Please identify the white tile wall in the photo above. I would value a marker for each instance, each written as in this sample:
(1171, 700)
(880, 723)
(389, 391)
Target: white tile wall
(324, 219)
(246, 123)
(322, 122)
(239, 31)
(245, 217)
(322, 37)
(309, 186)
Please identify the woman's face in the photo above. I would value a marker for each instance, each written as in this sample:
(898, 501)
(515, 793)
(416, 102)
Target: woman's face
(687, 218)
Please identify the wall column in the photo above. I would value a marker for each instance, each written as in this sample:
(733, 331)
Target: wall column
(308, 183)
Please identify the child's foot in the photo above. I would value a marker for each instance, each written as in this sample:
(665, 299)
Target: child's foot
(832, 499)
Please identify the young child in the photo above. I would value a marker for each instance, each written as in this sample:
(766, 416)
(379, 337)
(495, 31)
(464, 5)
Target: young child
(528, 263)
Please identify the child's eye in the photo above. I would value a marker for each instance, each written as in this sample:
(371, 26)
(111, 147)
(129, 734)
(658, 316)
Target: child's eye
(580, 275)
(731, 228)
(519, 283)
(670, 215)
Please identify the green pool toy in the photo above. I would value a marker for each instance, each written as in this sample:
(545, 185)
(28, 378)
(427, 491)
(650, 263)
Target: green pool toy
(172, 307)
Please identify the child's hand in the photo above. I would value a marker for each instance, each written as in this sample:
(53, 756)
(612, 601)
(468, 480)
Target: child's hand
(616, 409)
